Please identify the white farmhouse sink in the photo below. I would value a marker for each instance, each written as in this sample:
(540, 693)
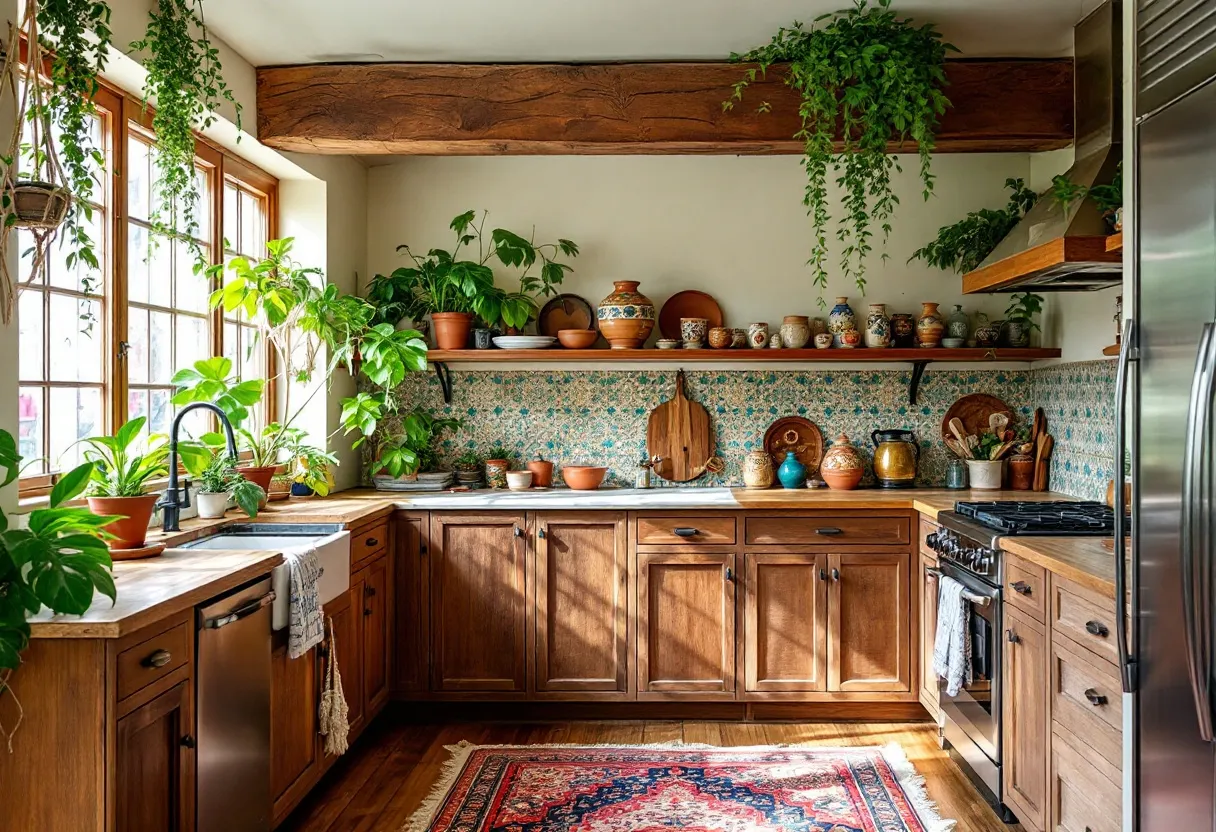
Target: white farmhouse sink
(332, 543)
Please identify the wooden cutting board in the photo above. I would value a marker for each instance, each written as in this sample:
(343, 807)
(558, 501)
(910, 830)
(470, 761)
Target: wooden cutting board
(679, 433)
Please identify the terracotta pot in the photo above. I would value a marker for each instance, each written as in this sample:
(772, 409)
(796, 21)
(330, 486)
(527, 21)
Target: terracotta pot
(842, 465)
(132, 530)
(1021, 473)
(626, 317)
(261, 476)
(583, 477)
(542, 473)
(452, 329)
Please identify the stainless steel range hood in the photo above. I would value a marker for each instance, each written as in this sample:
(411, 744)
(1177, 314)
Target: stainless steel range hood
(1057, 250)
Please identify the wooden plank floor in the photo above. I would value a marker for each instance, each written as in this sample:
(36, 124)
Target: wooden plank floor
(393, 766)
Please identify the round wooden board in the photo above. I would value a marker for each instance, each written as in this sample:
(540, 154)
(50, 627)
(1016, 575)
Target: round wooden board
(973, 411)
(794, 433)
(688, 304)
(565, 312)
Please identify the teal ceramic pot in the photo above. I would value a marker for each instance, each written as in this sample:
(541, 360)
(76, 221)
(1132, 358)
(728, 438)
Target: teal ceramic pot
(792, 473)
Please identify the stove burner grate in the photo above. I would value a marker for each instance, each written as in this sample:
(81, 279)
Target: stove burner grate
(1042, 518)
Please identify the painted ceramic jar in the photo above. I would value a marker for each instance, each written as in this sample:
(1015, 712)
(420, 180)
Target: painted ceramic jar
(878, 326)
(903, 330)
(958, 325)
(929, 328)
(496, 473)
(1017, 333)
(850, 339)
(795, 332)
(987, 333)
(823, 341)
(757, 335)
(774, 341)
(792, 473)
(719, 337)
(985, 474)
(693, 332)
(841, 319)
(842, 465)
(757, 469)
(738, 338)
(626, 317)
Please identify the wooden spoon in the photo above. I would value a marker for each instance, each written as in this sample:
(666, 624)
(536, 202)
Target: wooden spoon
(958, 448)
(960, 432)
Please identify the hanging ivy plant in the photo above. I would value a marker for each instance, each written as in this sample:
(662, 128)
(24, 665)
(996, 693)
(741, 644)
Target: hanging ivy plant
(867, 78)
(964, 245)
(185, 79)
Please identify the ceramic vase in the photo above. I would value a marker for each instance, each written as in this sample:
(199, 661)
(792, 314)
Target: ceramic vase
(987, 333)
(929, 328)
(496, 473)
(850, 339)
(958, 325)
(842, 465)
(757, 335)
(626, 317)
(757, 469)
(792, 473)
(841, 319)
(1017, 333)
(903, 330)
(823, 341)
(738, 338)
(985, 474)
(719, 337)
(878, 326)
(774, 341)
(693, 332)
(483, 339)
(795, 332)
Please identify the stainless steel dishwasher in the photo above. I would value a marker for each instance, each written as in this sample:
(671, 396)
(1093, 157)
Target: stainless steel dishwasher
(233, 681)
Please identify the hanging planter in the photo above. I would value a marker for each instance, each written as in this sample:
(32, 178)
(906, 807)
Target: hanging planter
(39, 205)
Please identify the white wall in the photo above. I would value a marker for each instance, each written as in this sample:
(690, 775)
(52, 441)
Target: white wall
(731, 226)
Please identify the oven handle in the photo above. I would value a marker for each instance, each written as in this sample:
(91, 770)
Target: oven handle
(969, 597)
(1127, 353)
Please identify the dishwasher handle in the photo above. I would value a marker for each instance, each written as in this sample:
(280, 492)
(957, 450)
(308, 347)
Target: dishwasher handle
(243, 611)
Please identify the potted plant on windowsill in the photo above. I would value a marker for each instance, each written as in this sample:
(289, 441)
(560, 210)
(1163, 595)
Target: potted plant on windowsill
(310, 474)
(220, 485)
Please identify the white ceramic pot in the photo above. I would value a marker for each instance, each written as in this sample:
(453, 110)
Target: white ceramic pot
(985, 474)
(212, 506)
(519, 480)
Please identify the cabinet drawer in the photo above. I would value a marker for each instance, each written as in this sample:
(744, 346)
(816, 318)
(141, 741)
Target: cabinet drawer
(927, 527)
(827, 530)
(1026, 586)
(367, 541)
(1087, 700)
(142, 664)
(1084, 797)
(1085, 617)
(675, 530)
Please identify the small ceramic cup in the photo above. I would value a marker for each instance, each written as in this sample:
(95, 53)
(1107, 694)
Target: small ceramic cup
(757, 335)
(667, 343)
(519, 480)
(823, 340)
(850, 339)
(483, 339)
(738, 338)
(774, 341)
(693, 331)
(953, 343)
(719, 337)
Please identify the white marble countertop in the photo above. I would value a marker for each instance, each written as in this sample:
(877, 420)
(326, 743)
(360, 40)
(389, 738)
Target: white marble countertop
(566, 498)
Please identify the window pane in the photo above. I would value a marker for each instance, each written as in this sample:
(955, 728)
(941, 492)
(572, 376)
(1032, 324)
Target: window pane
(25, 262)
(160, 347)
(137, 353)
(193, 291)
(160, 414)
(232, 343)
(232, 236)
(30, 335)
(195, 424)
(137, 404)
(139, 180)
(29, 425)
(74, 355)
(160, 273)
(251, 363)
(191, 340)
(202, 181)
(75, 413)
(249, 222)
(70, 277)
(137, 264)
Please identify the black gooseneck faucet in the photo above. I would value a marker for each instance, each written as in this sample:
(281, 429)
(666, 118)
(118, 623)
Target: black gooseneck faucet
(171, 504)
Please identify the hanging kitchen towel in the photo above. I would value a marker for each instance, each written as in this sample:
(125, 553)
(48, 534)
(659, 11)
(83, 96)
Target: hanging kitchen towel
(306, 621)
(952, 642)
(333, 711)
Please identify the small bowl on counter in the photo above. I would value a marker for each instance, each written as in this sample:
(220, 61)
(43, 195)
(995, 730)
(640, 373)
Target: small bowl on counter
(954, 343)
(583, 477)
(577, 339)
(667, 344)
(519, 480)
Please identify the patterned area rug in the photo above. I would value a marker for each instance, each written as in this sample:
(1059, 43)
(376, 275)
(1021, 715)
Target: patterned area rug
(632, 788)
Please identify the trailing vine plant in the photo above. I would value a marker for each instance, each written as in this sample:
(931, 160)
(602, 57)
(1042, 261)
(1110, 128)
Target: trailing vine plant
(867, 78)
(185, 80)
(964, 245)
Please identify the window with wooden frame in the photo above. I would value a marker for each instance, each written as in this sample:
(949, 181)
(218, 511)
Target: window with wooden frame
(90, 361)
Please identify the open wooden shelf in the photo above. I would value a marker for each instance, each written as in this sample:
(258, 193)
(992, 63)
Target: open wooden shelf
(1112, 350)
(764, 356)
(1114, 243)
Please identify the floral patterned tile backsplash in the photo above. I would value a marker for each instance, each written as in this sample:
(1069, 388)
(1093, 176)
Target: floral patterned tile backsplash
(599, 417)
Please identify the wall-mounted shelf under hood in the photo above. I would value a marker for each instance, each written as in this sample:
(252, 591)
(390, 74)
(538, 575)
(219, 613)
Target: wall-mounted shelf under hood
(1062, 264)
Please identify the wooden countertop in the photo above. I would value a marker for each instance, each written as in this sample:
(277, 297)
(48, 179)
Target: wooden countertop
(1090, 561)
(928, 501)
(149, 590)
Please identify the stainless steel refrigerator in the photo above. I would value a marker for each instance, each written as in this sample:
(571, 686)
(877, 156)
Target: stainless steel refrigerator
(1166, 390)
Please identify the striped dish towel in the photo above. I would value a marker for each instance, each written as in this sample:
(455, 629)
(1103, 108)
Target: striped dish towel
(306, 620)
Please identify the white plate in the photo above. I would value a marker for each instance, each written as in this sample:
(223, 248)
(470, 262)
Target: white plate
(524, 342)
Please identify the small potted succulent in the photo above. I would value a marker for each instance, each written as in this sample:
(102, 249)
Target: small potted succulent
(310, 470)
(498, 462)
(220, 484)
(469, 468)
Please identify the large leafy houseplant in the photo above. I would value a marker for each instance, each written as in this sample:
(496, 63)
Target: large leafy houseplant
(866, 78)
(410, 447)
(964, 245)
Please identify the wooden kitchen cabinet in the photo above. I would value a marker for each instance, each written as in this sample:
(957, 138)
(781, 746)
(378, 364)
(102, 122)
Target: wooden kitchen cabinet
(411, 608)
(345, 645)
(686, 625)
(1024, 716)
(375, 635)
(295, 753)
(581, 604)
(869, 622)
(478, 610)
(929, 694)
(154, 765)
(785, 621)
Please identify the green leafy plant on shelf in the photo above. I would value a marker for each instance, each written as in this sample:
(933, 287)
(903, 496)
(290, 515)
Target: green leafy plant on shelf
(310, 467)
(866, 78)
(964, 245)
(1023, 309)
(221, 477)
(469, 460)
(59, 561)
(186, 82)
(1109, 198)
(412, 447)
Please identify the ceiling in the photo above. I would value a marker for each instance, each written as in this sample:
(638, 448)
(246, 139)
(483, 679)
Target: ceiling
(268, 32)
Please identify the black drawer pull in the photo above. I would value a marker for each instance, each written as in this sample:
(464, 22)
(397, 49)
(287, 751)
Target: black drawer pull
(369, 591)
(829, 531)
(518, 531)
(1096, 628)
(685, 531)
(1013, 637)
(1021, 587)
(371, 541)
(158, 659)
(366, 612)
(1096, 699)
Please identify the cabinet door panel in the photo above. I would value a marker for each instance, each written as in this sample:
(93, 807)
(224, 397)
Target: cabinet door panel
(1024, 715)
(785, 622)
(375, 657)
(929, 696)
(477, 603)
(154, 780)
(345, 647)
(869, 642)
(295, 752)
(581, 606)
(686, 623)
(411, 606)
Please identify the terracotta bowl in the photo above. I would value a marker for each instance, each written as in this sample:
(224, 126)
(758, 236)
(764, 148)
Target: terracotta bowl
(583, 477)
(577, 339)
(841, 480)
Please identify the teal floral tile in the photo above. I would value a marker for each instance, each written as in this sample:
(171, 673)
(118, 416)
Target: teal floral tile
(1079, 402)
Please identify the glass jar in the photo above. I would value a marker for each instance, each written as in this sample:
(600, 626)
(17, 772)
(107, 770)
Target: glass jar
(956, 473)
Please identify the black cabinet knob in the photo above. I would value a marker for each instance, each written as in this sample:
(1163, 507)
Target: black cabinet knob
(1013, 637)
(158, 658)
(1096, 628)
(187, 741)
(371, 541)
(1020, 587)
(830, 531)
(1096, 699)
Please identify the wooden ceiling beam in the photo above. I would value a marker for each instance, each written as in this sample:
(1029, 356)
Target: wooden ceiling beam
(999, 105)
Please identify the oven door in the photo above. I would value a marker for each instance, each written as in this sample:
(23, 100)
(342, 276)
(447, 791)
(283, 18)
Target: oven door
(976, 710)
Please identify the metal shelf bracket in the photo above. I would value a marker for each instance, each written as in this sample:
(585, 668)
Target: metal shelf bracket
(918, 370)
(445, 380)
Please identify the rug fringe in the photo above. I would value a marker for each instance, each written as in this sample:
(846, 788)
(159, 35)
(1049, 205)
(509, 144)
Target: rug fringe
(913, 785)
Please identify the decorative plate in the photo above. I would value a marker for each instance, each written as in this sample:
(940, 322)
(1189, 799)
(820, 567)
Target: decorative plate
(794, 433)
(524, 342)
(973, 411)
(688, 304)
(565, 312)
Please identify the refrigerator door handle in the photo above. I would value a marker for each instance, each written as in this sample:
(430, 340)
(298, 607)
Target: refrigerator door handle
(1195, 528)
(1127, 664)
